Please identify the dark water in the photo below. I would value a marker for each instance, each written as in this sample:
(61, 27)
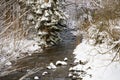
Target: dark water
(41, 60)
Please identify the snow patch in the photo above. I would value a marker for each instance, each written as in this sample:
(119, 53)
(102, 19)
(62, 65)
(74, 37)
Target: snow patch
(8, 63)
(61, 63)
(98, 66)
(17, 49)
(65, 59)
(36, 77)
(51, 66)
(44, 73)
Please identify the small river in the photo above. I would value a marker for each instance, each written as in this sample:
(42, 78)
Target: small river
(38, 61)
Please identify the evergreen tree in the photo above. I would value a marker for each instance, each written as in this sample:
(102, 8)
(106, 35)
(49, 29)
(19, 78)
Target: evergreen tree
(46, 16)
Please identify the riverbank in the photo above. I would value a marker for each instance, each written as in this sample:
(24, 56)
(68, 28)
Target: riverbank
(94, 64)
(40, 61)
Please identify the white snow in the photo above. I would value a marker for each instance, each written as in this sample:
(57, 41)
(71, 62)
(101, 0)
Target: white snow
(44, 18)
(29, 46)
(76, 68)
(65, 59)
(46, 13)
(2, 59)
(30, 17)
(70, 75)
(36, 77)
(100, 65)
(63, 63)
(42, 33)
(46, 5)
(8, 63)
(39, 11)
(44, 73)
(51, 66)
(11, 50)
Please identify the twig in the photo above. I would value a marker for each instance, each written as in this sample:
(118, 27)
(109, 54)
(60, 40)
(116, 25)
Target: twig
(107, 50)
(13, 23)
(115, 54)
(97, 4)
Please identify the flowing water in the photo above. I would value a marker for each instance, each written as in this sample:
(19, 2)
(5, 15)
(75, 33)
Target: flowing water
(35, 64)
(38, 61)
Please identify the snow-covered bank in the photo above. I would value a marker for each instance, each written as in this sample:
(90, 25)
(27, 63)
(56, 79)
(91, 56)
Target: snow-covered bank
(94, 64)
(17, 49)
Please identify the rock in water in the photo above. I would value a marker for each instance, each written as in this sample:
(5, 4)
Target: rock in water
(65, 59)
(61, 63)
(44, 73)
(51, 66)
(36, 77)
(70, 75)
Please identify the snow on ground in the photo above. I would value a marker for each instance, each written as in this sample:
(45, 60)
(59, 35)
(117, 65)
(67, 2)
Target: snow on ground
(17, 49)
(97, 65)
(29, 46)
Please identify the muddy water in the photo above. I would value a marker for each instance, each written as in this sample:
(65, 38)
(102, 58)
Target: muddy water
(41, 60)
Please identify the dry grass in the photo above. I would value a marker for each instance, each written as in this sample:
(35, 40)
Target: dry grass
(105, 27)
(13, 28)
